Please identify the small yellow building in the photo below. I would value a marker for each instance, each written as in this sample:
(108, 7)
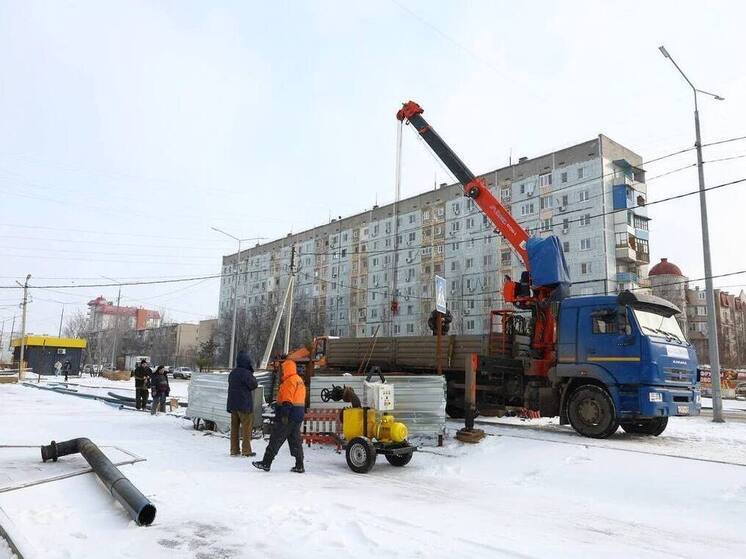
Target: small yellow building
(42, 352)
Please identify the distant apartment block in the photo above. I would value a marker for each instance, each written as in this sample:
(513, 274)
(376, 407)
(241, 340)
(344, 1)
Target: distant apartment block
(104, 315)
(351, 270)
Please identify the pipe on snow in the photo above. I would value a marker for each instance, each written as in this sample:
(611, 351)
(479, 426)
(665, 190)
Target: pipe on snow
(135, 503)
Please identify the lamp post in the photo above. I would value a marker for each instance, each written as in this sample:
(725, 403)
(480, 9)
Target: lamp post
(712, 335)
(231, 352)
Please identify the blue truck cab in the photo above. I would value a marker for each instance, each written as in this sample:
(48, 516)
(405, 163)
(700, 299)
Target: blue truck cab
(622, 360)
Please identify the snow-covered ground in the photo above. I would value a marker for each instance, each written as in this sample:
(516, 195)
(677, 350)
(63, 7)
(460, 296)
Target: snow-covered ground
(529, 490)
(100, 385)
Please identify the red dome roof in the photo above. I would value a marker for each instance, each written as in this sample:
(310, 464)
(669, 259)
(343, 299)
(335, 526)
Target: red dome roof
(664, 267)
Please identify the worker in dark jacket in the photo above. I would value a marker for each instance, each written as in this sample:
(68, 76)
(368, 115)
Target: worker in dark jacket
(159, 390)
(142, 374)
(66, 368)
(290, 409)
(241, 386)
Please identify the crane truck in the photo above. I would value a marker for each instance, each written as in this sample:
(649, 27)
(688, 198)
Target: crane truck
(598, 362)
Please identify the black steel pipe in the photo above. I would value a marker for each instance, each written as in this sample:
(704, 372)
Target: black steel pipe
(135, 503)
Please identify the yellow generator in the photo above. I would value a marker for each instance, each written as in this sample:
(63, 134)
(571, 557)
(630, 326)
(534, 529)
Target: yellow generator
(370, 430)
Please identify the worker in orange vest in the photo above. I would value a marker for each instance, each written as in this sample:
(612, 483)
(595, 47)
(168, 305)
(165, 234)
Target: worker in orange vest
(290, 409)
(509, 290)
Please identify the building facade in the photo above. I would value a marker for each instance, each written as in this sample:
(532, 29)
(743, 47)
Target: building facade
(104, 315)
(375, 271)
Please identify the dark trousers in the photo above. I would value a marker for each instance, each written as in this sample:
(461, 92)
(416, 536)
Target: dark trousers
(282, 432)
(159, 402)
(141, 397)
(241, 425)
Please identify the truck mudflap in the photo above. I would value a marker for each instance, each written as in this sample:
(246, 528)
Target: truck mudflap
(663, 401)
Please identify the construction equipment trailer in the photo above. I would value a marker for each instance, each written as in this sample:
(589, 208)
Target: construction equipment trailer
(598, 362)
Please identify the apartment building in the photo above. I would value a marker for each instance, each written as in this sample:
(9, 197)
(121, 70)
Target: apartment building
(375, 270)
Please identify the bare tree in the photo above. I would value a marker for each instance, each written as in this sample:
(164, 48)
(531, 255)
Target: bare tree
(76, 325)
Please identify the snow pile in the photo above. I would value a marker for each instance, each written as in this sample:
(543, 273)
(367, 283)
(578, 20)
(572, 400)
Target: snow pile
(534, 492)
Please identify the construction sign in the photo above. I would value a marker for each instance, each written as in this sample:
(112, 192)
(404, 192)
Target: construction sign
(440, 294)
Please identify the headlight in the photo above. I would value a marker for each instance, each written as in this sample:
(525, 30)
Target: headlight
(655, 397)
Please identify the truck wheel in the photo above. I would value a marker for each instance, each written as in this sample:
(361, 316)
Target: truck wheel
(591, 412)
(399, 460)
(454, 412)
(654, 426)
(361, 455)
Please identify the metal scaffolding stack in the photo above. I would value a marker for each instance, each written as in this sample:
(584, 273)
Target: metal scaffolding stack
(208, 394)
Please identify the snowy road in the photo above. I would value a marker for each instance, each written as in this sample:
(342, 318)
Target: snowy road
(534, 492)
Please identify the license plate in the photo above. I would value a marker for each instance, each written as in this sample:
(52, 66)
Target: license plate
(682, 410)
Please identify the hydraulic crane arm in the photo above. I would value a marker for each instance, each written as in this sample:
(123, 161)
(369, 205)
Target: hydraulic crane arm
(475, 188)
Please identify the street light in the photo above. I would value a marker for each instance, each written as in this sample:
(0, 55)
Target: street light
(714, 351)
(235, 290)
(116, 324)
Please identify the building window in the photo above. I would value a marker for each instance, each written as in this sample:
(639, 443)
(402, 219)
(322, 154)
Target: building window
(505, 194)
(412, 236)
(566, 247)
(454, 246)
(581, 172)
(439, 212)
(585, 244)
(426, 215)
(563, 177)
(397, 329)
(411, 218)
(505, 258)
(546, 224)
(642, 246)
(545, 179)
(523, 188)
(453, 265)
(583, 196)
(585, 268)
(470, 223)
(410, 328)
(470, 324)
(545, 202)
(585, 220)
(565, 224)
(456, 226)
(440, 249)
(527, 209)
(469, 263)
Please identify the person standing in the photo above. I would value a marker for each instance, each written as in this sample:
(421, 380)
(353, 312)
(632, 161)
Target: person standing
(142, 374)
(241, 386)
(290, 409)
(159, 389)
(66, 367)
(57, 368)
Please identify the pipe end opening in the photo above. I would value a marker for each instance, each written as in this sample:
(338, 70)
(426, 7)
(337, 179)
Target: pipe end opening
(146, 515)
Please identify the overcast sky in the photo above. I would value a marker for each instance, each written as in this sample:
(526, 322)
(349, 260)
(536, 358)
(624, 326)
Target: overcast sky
(129, 128)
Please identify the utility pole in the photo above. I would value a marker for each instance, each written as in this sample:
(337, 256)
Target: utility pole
(291, 287)
(116, 324)
(62, 314)
(231, 352)
(23, 325)
(712, 333)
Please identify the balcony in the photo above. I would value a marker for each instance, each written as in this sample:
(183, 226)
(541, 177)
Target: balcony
(626, 254)
(627, 277)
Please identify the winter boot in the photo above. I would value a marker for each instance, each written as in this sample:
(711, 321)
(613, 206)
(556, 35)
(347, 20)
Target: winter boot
(262, 465)
(298, 468)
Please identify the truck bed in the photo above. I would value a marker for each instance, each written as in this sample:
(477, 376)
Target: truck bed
(408, 353)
